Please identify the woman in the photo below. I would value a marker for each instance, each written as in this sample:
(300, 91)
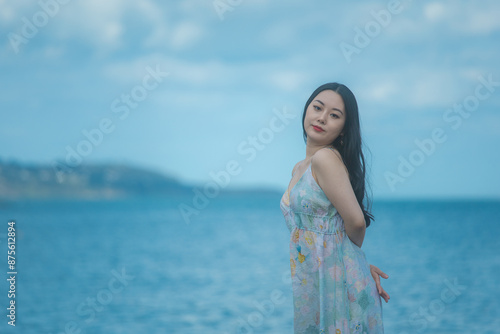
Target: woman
(335, 290)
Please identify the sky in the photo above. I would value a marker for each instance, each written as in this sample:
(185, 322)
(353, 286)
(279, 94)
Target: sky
(194, 89)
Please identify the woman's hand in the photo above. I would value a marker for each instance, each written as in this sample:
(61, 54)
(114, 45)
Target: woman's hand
(376, 273)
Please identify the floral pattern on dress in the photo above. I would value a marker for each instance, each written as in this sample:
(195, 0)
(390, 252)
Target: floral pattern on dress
(333, 290)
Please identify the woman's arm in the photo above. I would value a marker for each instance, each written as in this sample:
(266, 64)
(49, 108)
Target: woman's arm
(333, 179)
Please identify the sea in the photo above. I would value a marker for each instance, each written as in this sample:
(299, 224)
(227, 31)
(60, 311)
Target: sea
(174, 265)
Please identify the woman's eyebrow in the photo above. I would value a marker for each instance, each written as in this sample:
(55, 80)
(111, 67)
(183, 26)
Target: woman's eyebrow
(340, 111)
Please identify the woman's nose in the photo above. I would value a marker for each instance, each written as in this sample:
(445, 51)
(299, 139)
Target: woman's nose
(322, 118)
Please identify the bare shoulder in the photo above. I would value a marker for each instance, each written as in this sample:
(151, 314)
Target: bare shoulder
(325, 160)
(327, 156)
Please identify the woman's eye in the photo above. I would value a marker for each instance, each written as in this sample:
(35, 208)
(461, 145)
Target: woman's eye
(334, 115)
(316, 108)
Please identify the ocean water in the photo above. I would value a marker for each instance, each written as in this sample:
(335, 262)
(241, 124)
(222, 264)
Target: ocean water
(136, 266)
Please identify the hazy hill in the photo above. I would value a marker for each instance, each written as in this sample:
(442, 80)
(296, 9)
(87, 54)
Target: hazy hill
(105, 181)
(85, 181)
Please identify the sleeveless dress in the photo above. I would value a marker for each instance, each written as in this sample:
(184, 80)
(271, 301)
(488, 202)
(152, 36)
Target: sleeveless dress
(333, 290)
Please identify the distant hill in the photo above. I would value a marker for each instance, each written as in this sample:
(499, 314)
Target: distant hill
(104, 181)
(85, 181)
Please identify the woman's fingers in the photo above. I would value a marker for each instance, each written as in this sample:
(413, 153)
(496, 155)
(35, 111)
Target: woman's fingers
(379, 287)
(376, 273)
(385, 295)
(379, 272)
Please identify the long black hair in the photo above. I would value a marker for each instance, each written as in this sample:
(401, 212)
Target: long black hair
(351, 150)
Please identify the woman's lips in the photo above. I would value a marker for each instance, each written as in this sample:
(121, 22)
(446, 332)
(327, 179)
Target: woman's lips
(317, 128)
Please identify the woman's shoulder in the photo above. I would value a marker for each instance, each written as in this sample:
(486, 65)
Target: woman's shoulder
(326, 153)
(328, 156)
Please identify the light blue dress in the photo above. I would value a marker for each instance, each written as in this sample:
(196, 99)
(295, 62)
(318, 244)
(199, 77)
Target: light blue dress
(333, 290)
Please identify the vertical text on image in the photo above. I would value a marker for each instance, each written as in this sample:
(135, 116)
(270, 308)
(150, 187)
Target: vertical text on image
(12, 271)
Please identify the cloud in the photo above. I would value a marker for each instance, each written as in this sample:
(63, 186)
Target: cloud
(414, 88)
(214, 74)
(112, 24)
(421, 22)
(434, 11)
(382, 91)
(474, 18)
(12, 11)
(96, 23)
(103, 25)
(279, 34)
(485, 21)
(185, 34)
(289, 81)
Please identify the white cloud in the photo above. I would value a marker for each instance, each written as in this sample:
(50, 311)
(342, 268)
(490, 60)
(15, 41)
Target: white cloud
(286, 80)
(186, 34)
(12, 11)
(416, 87)
(465, 17)
(428, 89)
(7, 12)
(97, 23)
(382, 91)
(482, 22)
(111, 31)
(279, 34)
(107, 25)
(103, 24)
(434, 11)
(470, 73)
(158, 37)
(184, 72)
(51, 52)
(158, 21)
(444, 18)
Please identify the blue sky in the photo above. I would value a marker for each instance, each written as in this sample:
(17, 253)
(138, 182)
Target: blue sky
(182, 87)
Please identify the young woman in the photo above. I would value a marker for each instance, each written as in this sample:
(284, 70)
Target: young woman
(335, 290)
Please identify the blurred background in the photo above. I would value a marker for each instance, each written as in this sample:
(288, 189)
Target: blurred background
(145, 146)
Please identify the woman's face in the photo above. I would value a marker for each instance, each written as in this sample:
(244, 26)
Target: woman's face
(325, 117)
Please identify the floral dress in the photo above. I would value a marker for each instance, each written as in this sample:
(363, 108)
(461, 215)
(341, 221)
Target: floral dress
(333, 290)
